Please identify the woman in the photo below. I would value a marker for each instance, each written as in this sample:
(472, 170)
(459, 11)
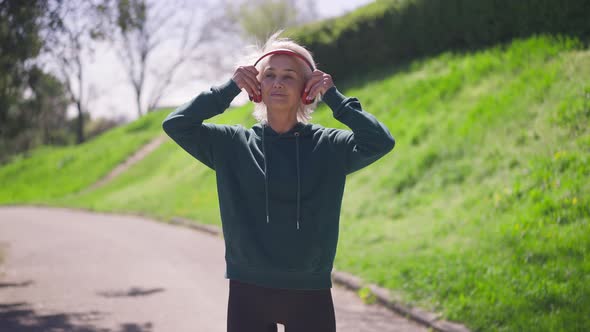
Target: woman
(280, 184)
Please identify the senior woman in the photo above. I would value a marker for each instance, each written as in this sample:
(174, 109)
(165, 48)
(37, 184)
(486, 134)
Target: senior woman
(280, 184)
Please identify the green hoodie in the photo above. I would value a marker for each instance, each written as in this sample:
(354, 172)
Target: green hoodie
(279, 194)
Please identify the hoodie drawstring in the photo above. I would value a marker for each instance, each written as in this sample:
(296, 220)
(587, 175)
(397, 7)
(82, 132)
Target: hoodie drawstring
(265, 176)
(298, 178)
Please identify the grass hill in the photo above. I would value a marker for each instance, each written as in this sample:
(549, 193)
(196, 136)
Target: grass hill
(481, 211)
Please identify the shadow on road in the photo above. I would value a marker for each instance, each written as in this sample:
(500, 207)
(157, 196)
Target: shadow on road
(16, 284)
(132, 292)
(19, 317)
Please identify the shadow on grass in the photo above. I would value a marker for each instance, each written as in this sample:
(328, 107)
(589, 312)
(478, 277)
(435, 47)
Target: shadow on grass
(19, 317)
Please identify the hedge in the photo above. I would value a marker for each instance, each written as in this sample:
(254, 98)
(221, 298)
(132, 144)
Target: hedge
(392, 32)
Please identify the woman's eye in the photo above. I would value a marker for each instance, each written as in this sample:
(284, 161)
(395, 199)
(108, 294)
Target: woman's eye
(272, 75)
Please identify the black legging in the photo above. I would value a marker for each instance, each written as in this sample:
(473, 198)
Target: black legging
(253, 308)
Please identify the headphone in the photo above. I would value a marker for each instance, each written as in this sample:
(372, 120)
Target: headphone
(284, 51)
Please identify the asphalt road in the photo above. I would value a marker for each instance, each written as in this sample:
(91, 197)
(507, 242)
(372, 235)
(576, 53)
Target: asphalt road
(78, 271)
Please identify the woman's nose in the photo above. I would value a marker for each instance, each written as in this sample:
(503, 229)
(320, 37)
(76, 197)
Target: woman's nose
(277, 83)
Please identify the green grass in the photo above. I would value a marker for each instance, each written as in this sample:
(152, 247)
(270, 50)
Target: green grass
(481, 212)
(48, 172)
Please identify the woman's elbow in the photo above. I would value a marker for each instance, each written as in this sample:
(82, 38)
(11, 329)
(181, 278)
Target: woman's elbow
(169, 124)
(389, 143)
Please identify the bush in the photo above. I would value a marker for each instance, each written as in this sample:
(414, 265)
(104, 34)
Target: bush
(392, 32)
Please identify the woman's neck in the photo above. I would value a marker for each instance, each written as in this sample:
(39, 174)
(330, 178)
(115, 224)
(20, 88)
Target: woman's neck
(281, 122)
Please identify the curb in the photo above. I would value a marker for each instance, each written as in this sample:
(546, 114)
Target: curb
(355, 283)
(383, 296)
(211, 229)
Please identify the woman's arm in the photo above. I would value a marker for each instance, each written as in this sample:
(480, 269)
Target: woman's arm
(369, 139)
(185, 125)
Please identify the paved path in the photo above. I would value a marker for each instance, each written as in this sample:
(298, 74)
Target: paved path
(86, 272)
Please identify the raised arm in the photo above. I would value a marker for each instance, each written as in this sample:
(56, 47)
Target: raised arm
(185, 125)
(369, 139)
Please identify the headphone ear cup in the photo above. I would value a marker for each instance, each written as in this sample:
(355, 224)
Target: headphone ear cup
(255, 98)
(304, 99)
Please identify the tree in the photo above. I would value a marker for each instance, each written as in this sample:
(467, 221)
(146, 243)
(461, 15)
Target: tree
(19, 43)
(45, 110)
(28, 95)
(73, 42)
(142, 29)
(258, 19)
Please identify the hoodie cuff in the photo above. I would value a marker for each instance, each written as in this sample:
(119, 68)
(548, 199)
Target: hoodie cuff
(335, 99)
(226, 92)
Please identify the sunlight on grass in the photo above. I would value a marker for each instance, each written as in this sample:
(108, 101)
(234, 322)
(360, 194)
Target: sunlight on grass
(481, 212)
(51, 172)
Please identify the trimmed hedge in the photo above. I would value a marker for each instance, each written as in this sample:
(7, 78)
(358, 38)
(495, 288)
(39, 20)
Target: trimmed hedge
(392, 32)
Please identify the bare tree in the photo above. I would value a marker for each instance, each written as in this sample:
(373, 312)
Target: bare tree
(71, 42)
(181, 33)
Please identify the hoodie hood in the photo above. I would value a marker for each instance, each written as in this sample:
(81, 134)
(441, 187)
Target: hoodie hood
(302, 129)
(267, 135)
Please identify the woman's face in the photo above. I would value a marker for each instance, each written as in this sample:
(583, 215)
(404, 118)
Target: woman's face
(282, 83)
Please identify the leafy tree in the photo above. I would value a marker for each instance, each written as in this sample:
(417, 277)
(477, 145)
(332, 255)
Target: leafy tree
(19, 42)
(31, 100)
(45, 109)
(256, 20)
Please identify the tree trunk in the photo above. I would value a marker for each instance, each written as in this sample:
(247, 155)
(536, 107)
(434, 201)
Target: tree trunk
(80, 129)
(138, 103)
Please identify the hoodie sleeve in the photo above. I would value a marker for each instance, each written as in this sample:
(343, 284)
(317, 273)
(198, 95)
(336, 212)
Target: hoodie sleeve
(369, 139)
(185, 125)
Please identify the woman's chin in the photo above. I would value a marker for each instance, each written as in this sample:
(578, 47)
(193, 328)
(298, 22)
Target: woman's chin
(279, 102)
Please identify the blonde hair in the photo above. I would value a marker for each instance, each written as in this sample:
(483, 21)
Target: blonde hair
(271, 44)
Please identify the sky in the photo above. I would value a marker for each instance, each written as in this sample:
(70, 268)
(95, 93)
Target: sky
(114, 96)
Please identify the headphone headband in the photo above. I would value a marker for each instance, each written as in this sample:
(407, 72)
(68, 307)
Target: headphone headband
(285, 51)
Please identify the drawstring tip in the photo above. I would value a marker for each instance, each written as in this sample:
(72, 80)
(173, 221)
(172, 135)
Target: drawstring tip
(297, 224)
(267, 219)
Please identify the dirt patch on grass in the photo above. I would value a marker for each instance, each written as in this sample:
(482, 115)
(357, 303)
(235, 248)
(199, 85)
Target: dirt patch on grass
(133, 159)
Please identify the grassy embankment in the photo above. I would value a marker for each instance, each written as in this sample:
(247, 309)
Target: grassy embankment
(480, 212)
(49, 172)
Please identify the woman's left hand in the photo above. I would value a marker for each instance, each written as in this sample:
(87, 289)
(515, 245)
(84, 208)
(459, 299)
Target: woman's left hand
(319, 83)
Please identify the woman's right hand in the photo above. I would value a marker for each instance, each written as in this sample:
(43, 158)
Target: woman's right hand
(245, 78)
